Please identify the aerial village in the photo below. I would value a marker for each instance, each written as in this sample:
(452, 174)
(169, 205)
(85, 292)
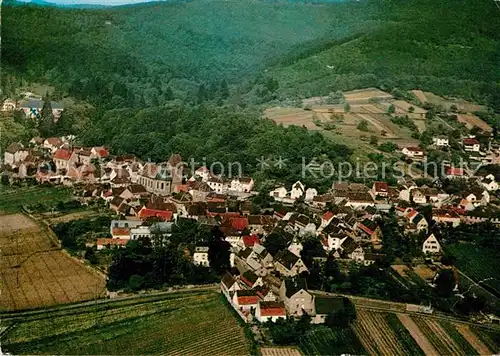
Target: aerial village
(262, 286)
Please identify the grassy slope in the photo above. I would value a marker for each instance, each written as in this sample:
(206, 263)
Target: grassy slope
(190, 323)
(476, 262)
(11, 199)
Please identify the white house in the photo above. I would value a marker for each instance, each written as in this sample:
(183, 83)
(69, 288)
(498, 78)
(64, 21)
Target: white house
(33, 107)
(242, 184)
(431, 245)
(441, 141)
(15, 153)
(295, 247)
(297, 190)
(9, 105)
(270, 311)
(471, 145)
(280, 192)
(203, 173)
(216, 184)
(200, 256)
(490, 183)
(310, 194)
(289, 264)
(413, 152)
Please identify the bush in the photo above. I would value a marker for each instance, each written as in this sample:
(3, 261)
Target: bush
(362, 125)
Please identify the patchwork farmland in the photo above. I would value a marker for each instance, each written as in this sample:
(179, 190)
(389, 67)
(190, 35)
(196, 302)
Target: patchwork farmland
(383, 333)
(36, 273)
(182, 323)
(369, 105)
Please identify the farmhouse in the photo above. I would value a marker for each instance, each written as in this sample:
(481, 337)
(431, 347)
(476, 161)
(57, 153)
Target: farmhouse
(229, 285)
(297, 299)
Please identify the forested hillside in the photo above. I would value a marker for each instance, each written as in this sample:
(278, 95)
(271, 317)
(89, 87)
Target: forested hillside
(450, 47)
(145, 54)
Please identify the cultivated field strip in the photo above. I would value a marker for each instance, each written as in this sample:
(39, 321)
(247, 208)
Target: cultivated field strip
(437, 336)
(186, 323)
(473, 339)
(376, 335)
(36, 273)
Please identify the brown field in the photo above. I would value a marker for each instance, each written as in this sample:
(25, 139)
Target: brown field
(35, 272)
(472, 120)
(376, 335)
(292, 116)
(279, 351)
(420, 95)
(424, 272)
(473, 339)
(366, 94)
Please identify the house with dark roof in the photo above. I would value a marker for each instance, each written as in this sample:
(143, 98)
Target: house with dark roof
(294, 294)
(288, 264)
(14, 153)
(251, 280)
(229, 285)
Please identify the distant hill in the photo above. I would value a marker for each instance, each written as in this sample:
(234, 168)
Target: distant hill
(120, 55)
(48, 3)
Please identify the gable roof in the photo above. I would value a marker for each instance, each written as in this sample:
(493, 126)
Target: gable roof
(164, 214)
(272, 308)
(14, 147)
(228, 280)
(62, 154)
(286, 258)
(249, 278)
(293, 285)
(247, 297)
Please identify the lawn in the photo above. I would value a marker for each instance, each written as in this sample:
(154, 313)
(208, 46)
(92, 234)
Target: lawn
(11, 199)
(476, 262)
(322, 340)
(187, 323)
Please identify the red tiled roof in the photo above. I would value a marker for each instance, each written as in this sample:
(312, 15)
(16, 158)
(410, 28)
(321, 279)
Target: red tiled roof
(272, 311)
(164, 214)
(120, 231)
(412, 213)
(248, 300)
(62, 154)
(328, 215)
(414, 149)
(239, 223)
(471, 141)
(365, 229)
(455, 171)
(251, 240)
(101, 151)
(115, 242)
(381, 187)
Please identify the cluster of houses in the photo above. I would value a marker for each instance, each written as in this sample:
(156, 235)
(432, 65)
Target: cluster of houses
(31, 106)
(345, 220)
(484, 153)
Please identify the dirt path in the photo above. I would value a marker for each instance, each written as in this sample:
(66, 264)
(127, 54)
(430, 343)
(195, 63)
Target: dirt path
(473, 340)
(417, 335)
